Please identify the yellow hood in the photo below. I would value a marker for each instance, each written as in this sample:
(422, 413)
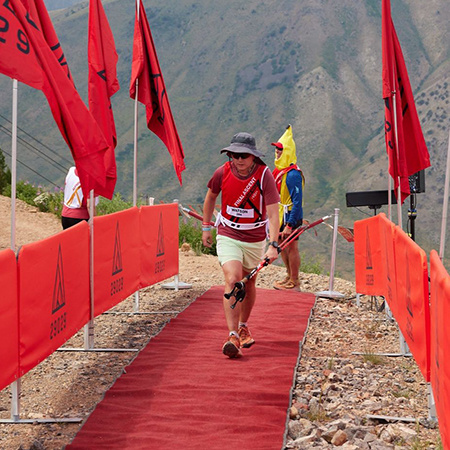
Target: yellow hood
(289, 155)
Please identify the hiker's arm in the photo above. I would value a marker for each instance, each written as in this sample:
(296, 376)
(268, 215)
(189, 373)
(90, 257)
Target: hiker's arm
(208, 208)
(274, 226)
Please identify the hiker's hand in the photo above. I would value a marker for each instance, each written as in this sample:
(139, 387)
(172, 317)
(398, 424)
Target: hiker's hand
(271, 253)
(207, 238)
(287, 231)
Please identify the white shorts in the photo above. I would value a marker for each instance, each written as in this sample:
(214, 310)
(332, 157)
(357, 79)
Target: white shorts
(249, 254)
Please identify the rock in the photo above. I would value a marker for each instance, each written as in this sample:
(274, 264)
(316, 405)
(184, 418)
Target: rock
(329, 433)
(397, 432)
(36, 445)
(294, 429)
(293, 412)
(339, 438)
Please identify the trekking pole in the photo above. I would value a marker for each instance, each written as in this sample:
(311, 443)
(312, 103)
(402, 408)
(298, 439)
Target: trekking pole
(194, 214)
(238, 290)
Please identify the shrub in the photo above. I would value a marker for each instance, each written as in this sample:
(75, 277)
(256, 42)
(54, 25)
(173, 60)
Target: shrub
(50, 202)
(117, 203)
(5, 173)
(192, 234)
(25, 191)
(310, 265)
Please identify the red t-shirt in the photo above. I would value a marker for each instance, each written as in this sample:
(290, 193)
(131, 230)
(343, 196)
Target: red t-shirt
(270, 196)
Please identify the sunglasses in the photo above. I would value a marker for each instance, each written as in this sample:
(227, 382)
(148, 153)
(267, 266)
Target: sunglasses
(238, 155)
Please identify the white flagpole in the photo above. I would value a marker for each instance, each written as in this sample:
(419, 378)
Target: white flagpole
(445, 206)
(135, 130)
(399, 194)
(136, 294)
(389, 196)
(15, 386)
(89, 327)
(14, 166)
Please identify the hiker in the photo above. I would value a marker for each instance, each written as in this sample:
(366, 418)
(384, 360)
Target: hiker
(290, 183)
(75, 207)
(248, 213)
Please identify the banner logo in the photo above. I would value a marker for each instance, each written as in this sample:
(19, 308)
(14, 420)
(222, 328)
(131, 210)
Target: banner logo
(409, 306)
(59, 294)
(117, 284)
(369, 265)
(59, 321)
(160, 265)
(117, 258)
(160, 248)
(388, 266)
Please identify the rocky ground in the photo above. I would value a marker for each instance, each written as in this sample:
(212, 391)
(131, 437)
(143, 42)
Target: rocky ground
(345, 394)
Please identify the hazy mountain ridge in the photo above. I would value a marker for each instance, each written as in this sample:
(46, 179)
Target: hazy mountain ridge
(256, 67)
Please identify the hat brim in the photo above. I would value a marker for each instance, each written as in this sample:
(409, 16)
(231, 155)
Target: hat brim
(242, 148)
(277, 145)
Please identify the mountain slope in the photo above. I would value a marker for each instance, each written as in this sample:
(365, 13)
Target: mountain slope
(256, 67)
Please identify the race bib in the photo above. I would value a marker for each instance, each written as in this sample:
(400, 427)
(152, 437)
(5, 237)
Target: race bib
(240, 212)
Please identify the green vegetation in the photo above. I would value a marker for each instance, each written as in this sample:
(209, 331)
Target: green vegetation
(37, 196)
(419, 444)
(5, 173)
(370, 357)
(310, 264)
(191, 234)
(117, 203)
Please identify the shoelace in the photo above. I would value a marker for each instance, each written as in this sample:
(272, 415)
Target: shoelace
(244, 332)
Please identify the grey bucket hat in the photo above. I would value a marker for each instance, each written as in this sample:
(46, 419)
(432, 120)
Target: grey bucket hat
(243, 143)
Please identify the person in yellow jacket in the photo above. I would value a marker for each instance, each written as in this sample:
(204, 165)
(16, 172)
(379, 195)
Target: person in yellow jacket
(290, 183)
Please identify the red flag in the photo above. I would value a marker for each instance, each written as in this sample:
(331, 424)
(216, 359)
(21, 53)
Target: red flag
(405, 144)
(152, 90)
(42, 20)
(103, 84)
(27, 57)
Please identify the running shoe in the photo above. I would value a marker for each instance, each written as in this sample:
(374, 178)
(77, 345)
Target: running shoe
(245, 337)
(232, 347)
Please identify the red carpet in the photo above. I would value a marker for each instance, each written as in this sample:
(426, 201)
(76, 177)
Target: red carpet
(182, 393)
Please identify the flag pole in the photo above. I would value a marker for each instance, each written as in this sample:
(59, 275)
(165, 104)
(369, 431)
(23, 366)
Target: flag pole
(135, 146)
(135, 130)
(389, 195)
(399, 193)
(16, 385)
(89, 327)
(445, 206)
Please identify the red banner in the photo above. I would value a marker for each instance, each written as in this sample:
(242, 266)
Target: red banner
(440, 344)
(27, 57)
(387, 229)
(116, 258)
(405, 145)
(103, 84)
(370, 270)
(54, 297)
(41, 18)
(9, 320)
(152, 89)
(159, 246)
(413, 315)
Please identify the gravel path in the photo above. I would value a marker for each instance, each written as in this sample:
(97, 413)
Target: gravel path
(336, 391)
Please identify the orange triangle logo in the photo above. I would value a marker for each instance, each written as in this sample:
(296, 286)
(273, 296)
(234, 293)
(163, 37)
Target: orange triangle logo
(160, 247)
(59, 294)
(117, 258)
(368, 251)
(408, 288)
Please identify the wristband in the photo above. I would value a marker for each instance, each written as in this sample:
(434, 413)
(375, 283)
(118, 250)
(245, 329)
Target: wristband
(206, 228)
